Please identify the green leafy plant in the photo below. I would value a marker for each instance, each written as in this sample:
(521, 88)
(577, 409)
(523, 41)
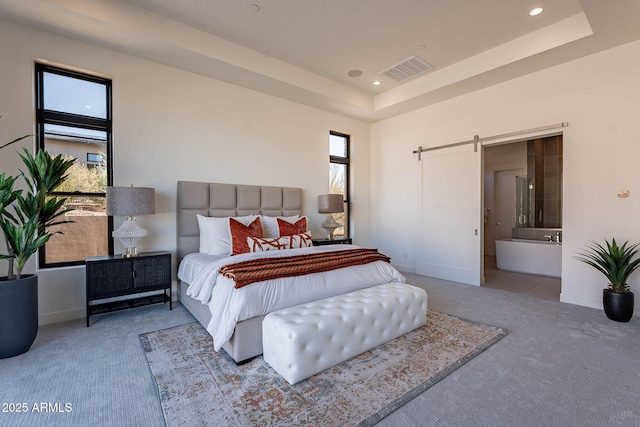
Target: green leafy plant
(27, 215)
(615, 262)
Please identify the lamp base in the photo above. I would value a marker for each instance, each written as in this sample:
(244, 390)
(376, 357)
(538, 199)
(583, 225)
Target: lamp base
(130, 252)
(129, 234)
(330, 224)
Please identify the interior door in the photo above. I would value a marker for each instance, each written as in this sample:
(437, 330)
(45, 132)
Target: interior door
(450, 240)
(505, 202)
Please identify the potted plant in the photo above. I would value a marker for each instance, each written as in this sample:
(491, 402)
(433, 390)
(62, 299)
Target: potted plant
(616, 263)
(25, 218)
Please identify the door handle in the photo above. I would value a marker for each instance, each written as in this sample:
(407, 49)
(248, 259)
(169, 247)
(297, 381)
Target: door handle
(498, 223)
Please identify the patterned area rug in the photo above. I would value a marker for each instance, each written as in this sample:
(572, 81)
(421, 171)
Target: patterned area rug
(198, 386)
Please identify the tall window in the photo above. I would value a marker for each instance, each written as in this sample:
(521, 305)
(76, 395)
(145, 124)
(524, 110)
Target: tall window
(73, 118)
(339, 177)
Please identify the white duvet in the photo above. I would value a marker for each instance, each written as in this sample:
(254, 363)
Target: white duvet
(229, 305)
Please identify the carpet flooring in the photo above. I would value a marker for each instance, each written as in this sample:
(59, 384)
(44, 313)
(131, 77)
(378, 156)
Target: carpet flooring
(199, 387)
(561, 365)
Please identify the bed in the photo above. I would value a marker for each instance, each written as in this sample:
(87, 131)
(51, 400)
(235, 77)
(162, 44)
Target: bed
(233, 316)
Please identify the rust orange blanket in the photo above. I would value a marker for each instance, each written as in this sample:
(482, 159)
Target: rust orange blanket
(244, 273)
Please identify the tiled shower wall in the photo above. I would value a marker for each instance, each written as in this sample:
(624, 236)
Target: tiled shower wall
(544, 163)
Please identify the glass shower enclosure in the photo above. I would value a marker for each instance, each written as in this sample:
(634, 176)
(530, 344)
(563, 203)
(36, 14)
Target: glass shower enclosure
(525, 213)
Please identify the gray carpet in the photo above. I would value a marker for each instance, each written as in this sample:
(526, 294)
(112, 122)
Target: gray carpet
(560, 365)
(101, 371)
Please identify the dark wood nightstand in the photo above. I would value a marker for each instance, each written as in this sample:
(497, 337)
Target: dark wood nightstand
(115, 276)
(336, 241)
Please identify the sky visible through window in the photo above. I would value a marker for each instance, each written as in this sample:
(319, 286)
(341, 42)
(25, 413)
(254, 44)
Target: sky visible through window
(74, 96)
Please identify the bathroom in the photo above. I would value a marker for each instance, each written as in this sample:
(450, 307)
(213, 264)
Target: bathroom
(523, 216)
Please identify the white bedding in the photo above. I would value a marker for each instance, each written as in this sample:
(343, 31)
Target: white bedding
(229, 305)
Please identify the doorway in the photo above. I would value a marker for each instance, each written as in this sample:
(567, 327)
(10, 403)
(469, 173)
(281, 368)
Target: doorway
(504, 165)
(454, 242)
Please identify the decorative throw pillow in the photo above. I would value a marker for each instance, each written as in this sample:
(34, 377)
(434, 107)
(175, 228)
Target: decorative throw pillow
(302, 240)
(240, 232)
(215, 238)
(287, 228)
(257, 244)
(270, 224)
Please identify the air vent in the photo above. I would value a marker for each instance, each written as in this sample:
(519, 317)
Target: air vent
(408, 68)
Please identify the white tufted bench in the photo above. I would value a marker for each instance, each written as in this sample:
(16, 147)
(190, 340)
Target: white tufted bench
(303, 340)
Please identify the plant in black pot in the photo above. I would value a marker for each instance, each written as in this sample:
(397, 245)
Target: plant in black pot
(25, 218)
(616, 263)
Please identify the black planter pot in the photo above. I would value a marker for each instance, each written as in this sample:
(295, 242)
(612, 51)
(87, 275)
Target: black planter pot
(618, 307)
(18, 314)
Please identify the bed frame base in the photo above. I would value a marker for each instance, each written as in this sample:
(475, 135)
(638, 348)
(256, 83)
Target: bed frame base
(246, 341)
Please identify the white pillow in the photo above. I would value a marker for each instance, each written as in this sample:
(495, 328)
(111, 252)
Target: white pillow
(270, 224)
(215, 237)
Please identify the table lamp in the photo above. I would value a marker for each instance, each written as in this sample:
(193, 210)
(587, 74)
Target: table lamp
(129, 202)
(330, 204)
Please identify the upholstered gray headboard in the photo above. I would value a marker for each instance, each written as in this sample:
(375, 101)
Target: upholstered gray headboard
(210, 199)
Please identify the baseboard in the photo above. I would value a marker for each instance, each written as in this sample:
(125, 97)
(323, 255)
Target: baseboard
(579, 300)
(80, 313)
(404, 268)
(61, 316)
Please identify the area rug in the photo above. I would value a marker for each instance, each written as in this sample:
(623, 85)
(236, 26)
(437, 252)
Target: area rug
(198, 386)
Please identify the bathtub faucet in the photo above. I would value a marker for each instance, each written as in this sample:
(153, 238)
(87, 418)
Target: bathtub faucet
(558, 237)
(549, 238)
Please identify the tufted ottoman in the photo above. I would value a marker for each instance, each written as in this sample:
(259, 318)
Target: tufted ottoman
(303, 340)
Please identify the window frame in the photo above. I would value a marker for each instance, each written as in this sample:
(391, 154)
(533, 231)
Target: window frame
(346, 162)
(52, 117)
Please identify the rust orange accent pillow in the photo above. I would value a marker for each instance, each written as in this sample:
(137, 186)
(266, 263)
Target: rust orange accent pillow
(289, 229)
(240, 232)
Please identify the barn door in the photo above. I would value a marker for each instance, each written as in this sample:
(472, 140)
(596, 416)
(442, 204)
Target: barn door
(450, 240)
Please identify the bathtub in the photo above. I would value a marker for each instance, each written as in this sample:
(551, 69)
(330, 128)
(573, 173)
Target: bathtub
(529, 256)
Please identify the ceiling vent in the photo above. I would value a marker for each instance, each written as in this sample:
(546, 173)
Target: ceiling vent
(408, 68)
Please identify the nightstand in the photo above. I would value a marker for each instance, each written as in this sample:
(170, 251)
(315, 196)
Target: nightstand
(336, 241)
(115, 276)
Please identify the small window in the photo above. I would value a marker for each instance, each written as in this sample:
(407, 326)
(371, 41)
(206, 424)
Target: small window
(73, 119)
(339, 177)
(94, 157)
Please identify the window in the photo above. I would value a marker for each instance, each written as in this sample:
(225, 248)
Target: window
(339, 177)
(73, 119)
(94, 157)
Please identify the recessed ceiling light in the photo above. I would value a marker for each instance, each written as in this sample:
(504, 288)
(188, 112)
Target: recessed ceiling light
(536, 11)
(376, 83)
(255, 7)
(354, 73)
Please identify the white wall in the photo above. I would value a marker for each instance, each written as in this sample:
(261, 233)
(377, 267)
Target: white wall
(598, 95)
(172, 125)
